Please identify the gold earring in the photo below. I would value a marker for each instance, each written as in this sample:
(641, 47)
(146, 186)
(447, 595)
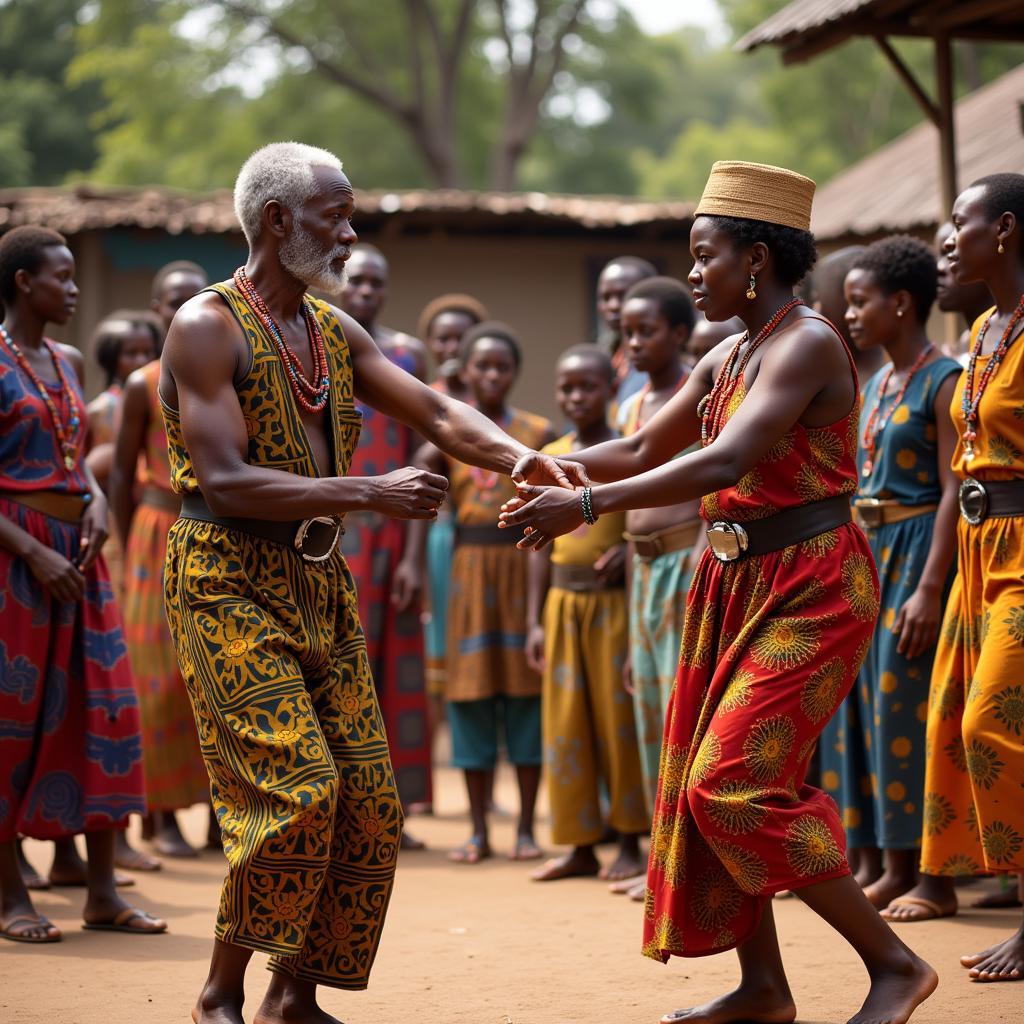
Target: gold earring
(1000, 250)
(752, 290)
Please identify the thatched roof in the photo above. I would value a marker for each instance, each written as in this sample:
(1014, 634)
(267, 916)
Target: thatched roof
(79, 208)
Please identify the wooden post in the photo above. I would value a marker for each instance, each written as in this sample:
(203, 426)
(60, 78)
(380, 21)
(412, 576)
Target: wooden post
(947, 126)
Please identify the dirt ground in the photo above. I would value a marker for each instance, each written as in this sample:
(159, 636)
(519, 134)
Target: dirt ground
(469, 945)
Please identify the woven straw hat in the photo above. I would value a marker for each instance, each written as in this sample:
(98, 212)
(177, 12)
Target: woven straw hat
(758, 192)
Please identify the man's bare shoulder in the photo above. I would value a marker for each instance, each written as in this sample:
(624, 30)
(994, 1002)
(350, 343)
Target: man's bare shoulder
(203, 326)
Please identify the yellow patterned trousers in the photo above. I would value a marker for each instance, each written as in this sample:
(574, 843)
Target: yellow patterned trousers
(275, 664)
(589, 735)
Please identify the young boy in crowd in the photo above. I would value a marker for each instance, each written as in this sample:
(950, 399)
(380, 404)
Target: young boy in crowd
(489, 687)
(664, 543)
(577, 640)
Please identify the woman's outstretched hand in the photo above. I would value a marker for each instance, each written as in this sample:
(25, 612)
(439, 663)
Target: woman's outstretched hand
(543, 512)
(535, 468)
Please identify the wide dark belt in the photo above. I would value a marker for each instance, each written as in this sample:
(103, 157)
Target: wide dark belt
(649, 546)
(314, 539)
(732, 541)
(485, 534)
(990, 499)
(158, 498)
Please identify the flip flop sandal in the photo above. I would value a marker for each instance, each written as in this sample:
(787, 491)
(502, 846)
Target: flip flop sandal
(470, 852)
(534, 852)
(123, 923)
(36, 919)
(935, 911)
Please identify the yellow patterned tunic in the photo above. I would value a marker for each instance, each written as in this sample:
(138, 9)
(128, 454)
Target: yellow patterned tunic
(274, 659)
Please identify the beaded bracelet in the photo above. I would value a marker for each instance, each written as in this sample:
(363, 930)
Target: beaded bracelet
(587, 504)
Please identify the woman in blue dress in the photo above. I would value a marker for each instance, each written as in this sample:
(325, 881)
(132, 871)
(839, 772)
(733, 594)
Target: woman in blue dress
(907, 505)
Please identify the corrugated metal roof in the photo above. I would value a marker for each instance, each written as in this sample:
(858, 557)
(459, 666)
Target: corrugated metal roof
(896, 188)
(87, 207)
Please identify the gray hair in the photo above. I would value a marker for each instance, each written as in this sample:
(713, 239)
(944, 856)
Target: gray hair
(281, 171)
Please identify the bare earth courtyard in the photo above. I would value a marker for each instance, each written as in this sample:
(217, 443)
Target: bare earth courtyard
(470, 945)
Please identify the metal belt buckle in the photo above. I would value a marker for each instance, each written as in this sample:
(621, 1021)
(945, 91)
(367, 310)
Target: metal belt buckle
(869, 512)
(317, 538)
(973, 500)
(727, 541)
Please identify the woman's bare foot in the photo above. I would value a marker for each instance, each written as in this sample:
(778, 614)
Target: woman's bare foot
(869, 866)
(213, 1009)
(628, 864)
(933, 896)
(1002, 962)
(580, 863)
(291, 1001)
(759, 1004)
(69, 870)
(168, 840)
(897, 992)
(627, 885)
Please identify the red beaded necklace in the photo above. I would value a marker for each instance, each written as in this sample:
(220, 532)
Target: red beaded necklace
(69, 438)
(876, 424)
(712, 406)
(971, 402)
(311, 395)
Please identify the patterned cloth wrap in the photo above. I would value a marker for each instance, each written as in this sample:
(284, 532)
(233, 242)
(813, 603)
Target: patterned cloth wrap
(276, 667)
(872, 751)
(973, 811)
(175, 774)
(770, 648)
(70, 750)
(589, 738)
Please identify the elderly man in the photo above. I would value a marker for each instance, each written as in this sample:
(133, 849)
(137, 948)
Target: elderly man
(259, 383)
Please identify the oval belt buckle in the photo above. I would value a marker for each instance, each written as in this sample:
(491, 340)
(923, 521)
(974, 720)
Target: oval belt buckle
(973, 499)
(304, 532)
(727, 541)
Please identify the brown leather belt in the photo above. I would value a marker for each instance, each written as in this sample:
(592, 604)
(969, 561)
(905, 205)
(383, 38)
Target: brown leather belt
(581, 579)
(486, 535)
(874, 512)
(157, 497)
(665, 542)
(314, 539)
(732, 541)
(68, 507)
(990, 499)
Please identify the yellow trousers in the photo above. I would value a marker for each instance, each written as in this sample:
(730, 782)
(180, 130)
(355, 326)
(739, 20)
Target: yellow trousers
(589, 731)
(275, 664)
(974, 801)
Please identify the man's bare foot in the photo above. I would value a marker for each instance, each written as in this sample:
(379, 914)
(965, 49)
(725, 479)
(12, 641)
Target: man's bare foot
(580, 863)
(932, 897)
(883, 891)
(213, 1009)
(168, 840)
(627, 884)
(1002, 962)
(295, 1008)
(897, 992)
(759, 1004)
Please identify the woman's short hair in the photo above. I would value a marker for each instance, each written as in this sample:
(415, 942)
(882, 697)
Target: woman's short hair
(901, 263)
(794, 252)
(24, 248)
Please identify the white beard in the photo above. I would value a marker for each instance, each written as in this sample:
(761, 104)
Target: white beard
(305, 259)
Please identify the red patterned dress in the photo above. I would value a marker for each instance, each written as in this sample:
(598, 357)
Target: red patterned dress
(70, 750)
(771, 646)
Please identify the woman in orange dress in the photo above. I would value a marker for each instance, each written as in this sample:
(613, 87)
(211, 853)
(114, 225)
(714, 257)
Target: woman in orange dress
(779, 614)
(974, 810)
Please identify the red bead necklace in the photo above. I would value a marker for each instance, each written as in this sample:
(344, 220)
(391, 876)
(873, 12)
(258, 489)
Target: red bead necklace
(712, 406)
(876, 423)
(68, 438)
(311, 395)
(971, 402)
